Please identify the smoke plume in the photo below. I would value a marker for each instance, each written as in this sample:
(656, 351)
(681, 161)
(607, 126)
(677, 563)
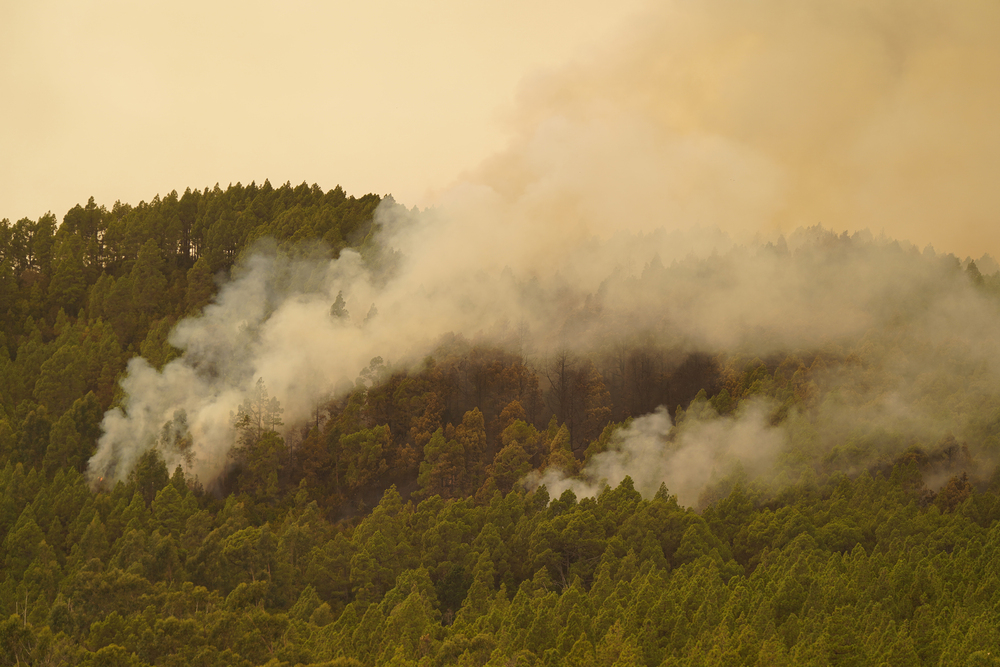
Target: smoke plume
(652, 452)
(770, 116)
(644, 194)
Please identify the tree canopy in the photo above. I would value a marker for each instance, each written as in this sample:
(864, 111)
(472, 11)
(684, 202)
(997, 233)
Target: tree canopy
(395, 527)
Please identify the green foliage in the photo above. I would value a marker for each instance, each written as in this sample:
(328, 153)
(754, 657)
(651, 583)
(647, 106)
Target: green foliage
(283, 564)
(443, 469)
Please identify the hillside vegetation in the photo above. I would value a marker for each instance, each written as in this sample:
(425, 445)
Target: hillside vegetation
(404, 523)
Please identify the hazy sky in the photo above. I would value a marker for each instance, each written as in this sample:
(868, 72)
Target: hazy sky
(580, 117)
(125, 100)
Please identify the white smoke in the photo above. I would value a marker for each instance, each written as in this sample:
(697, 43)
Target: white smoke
(912, 320)
(636, 199)
(273, 321)
(651, 451)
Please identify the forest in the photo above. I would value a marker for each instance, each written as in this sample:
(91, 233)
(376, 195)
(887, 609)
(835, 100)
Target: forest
(492, 502)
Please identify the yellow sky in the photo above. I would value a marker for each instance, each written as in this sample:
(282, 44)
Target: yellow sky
(124, 100)
(581, 116)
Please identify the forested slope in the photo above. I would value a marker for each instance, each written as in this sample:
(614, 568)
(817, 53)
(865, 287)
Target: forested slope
(395, 526)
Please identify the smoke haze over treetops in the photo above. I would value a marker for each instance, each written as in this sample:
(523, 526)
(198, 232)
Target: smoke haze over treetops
(627, 207)
(771, 115)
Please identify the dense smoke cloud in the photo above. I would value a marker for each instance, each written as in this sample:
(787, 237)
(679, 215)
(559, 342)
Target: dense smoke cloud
(638, 198)
(273, 321)
(912, 339)
(769, 116)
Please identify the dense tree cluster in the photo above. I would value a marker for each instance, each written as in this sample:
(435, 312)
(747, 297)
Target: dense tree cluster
(78, 300)
(852, 571)
(391, 529)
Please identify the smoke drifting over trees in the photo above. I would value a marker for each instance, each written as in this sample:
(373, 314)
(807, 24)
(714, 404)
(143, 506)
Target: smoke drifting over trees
(663, 382)
(896, 324)
(643, 199)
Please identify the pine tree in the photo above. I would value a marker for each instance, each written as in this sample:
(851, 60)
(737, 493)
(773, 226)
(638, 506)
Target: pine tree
(68, 286)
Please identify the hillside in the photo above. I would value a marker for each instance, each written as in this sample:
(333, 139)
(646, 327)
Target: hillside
(341, 446)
